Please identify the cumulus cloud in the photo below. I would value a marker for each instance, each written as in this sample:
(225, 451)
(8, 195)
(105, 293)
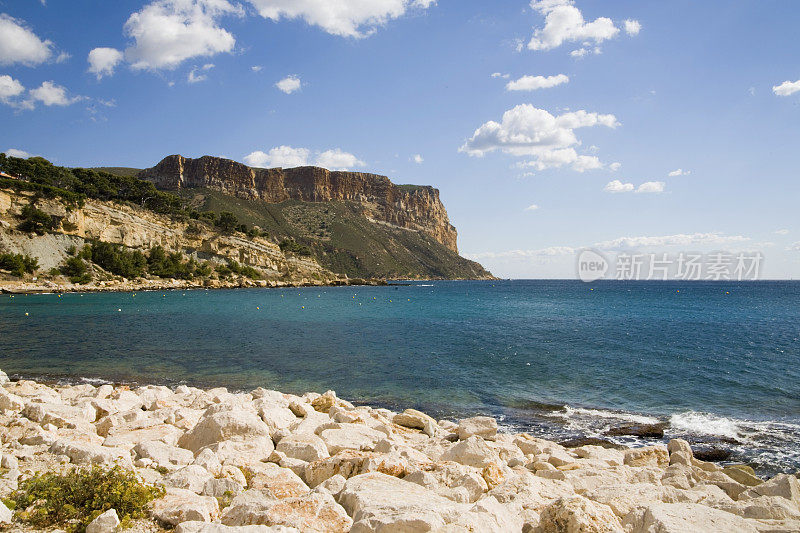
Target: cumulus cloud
(531, 83)
(794, 247)
(651, 187)
(680, 239)
(632, 27)
(532, 207)
(565, 23)
(783, 231)
(613, 167)
(103, 61)
(289, 84)
(13, 152)
(280, 156)
(9, 88)
(679, 172)
(256, 68)
(500, 75)
(50, 94)
(787, 88)
(336, 159)
(616, 186)
(417, 158)
(346, 18)
(18, 43)
(528, 131)
(168, 32)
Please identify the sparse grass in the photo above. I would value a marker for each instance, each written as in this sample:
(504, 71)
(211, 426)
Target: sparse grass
(72, 500)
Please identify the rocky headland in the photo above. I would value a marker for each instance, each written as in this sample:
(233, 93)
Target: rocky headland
(264, 461)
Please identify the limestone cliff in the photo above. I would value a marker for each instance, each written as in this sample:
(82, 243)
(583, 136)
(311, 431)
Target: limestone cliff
(411, 207)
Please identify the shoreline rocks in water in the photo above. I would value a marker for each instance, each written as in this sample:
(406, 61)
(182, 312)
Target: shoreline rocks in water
(270, 461)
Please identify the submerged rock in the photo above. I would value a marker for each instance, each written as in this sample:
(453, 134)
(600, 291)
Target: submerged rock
(644, 431)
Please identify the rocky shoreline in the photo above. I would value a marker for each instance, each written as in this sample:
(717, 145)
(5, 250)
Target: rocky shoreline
(267, 461)
(143, 284)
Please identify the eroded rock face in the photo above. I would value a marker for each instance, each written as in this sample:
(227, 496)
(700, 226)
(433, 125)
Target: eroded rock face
(417, 208)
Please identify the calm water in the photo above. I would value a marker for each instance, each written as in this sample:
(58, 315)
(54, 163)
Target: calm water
(719, 361)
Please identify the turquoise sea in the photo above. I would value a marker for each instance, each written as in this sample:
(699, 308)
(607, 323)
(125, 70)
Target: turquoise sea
(718, 361)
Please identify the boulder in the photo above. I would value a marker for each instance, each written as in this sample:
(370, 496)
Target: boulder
(648, 456)
(165, 433)
(576, 514)
(180, 505)
(277, 481)
(105, 523)
(481, 426)
(10, 402)
(81, 453)
(378, 502)
(742, 476)
(314, 512)
(275, 416)
(163, 454)
(411, 418)
(192, 477)
(782, 485)
(243, 452)
(622, 499)
(306, 447)
(644, 431)
(219, 487)
(683, 518)
(224, 426)
(351, 437)
(3, 378)
(5, 514)
(762, 508)
(471, 452)
(62, 416)
(529, 491)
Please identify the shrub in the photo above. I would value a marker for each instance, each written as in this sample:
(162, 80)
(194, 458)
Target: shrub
(37, 221)
(76, 270)
(79, 496)
(290, 245)
(117, 260)
(227, 222)
(19, 264)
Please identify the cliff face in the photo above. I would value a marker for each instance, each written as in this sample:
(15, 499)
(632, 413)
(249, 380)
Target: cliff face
(415, 208)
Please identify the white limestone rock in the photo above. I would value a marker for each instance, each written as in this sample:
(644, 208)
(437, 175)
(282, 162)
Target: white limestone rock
(481, 426)
(105, 523)
(180, 505)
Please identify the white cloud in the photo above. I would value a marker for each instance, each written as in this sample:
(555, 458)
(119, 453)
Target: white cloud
(9, 88)
(794, 247)
(632, 27)
(528, 131)
(522, 254)
(18, 43)
(50, 94)
(564, 22)
(613, 167)
(256, 68)
(532, 207)
(580, 52)
(336, 159)
(195, 75)
(499, 75)
(346, 18)
(13, 152)
(783, 231)
(289, 84)
(787, 88)
(531, 83)
(651, 187)
(681, 239)
(168, 32)
(281, 156)
(417, 158)
(103, 61)
(679, 172)
(616, 186)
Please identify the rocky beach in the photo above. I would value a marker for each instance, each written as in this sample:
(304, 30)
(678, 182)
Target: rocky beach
(268, 461)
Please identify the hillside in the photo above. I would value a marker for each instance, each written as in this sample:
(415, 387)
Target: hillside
(355, 224)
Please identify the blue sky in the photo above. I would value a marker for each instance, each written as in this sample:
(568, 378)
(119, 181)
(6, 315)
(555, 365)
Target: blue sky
(612, 97)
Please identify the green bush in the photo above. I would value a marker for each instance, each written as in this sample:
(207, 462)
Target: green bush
(119, 261)
(233, 267)
(227, 222)
(79, 496)
(37, 221)
(290, 245)
(19, 264)
(76, 270)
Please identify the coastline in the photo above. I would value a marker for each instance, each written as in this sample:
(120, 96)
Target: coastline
(316, 462)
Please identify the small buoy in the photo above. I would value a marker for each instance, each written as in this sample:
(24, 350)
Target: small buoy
(726, 292)
(26, 314)
(258, 308)
(119, 310)
(304, 307)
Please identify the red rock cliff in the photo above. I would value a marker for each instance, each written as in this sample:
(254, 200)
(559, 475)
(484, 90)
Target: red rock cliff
(417, 208)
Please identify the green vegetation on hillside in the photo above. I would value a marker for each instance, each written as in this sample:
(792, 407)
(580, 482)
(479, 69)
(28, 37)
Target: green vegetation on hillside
(128, 172)
(341, 238)
(74, 499)
(18, 264)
